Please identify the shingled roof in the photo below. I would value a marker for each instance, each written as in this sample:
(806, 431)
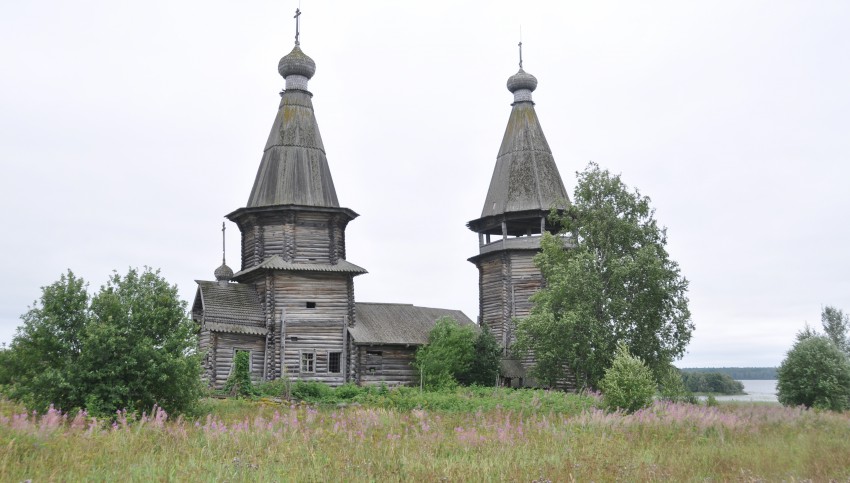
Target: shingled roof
(275, 262)
(294, 169)
(398, 323)
(230, 307)
(526, 177)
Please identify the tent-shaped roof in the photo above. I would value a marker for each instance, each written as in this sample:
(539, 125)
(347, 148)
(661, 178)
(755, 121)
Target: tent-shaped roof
(398, 323)
(525, 181)
(294, 169)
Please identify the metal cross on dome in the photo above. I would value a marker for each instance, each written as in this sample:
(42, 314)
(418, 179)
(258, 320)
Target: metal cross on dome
(520, 54)
(222, 243)
(297, 25)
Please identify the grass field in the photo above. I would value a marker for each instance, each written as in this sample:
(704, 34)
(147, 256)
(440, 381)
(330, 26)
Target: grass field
(263, 440)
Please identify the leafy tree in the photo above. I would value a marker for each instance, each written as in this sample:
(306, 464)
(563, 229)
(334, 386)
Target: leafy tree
(616, 284)
(484, 369)
(628, 384)
(671, 387)
(836, 325)
(815, 373)
(42, 360)
(130, 346)
(712, 382)
(447, 357)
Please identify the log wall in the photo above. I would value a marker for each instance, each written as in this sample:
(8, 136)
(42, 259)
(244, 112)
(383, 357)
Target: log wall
(321, 329)
(204, 346)
(493, 294)
(386, 364)
(226, 345)
(294, 235)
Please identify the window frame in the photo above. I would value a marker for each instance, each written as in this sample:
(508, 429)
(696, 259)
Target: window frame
(302, 360)
(338, 354)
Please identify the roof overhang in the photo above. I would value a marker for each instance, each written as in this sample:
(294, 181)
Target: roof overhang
(275, 262)
(241, 213)
(518, 223)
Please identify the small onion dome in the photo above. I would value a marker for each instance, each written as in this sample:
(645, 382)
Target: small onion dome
(522, 80)
(296, 63)
(223, 273)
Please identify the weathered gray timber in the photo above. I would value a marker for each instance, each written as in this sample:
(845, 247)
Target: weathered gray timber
(292, 302)
(525, 185)
(296, 234)
(386, 337)
(294, 169)
(227, 345)
(293, 297)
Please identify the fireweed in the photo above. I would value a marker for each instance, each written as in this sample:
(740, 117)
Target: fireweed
(303, 442)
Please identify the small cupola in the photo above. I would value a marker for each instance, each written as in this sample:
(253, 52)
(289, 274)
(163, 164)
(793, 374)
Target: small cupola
(223, 274)
(296, 67)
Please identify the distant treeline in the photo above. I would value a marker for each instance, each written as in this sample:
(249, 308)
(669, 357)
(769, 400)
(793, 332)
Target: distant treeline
(749, 373)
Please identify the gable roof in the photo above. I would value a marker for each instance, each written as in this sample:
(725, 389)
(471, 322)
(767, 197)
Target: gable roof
(398, 323)
(231, 307)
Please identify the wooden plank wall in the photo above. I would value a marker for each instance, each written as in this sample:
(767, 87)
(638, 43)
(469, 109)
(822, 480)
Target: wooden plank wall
(320, 337)
(273, 239)
(299, 236)
(328, 290)
(320, 329)
(492, 293)
(204, 346)
(393, 367)
(224, 352)
(312, 238)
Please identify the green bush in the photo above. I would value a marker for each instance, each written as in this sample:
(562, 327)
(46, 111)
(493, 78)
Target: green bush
(671, 387)
(815, 373)
(448, 356)
(348, 390)
(484, 370)
(628, 384)
(311, 391)
(277, 388)
(239, 383)
(129, 346)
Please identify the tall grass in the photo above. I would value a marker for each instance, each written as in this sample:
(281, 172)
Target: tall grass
(246, 441)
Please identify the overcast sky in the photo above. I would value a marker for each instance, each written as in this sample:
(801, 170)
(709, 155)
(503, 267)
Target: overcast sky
(128, 129)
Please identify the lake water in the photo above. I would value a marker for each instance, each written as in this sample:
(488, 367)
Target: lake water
(760, 391)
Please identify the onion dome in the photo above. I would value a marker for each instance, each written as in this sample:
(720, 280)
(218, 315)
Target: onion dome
(297, 68)
(296, 63)
(522, 84)
(223, 273)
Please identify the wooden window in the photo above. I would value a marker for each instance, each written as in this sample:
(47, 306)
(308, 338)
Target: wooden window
(311, 305)
(308, 361)
(334, 362)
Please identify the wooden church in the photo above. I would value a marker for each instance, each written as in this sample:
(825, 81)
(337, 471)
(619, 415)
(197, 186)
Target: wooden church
(291, 304)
